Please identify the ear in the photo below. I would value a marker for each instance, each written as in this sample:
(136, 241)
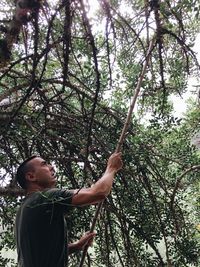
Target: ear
(30, 177)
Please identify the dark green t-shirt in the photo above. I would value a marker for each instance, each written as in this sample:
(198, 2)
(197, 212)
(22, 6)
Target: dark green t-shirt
(40, 229)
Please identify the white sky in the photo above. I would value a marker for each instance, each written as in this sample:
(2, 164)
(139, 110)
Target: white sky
(180, 104)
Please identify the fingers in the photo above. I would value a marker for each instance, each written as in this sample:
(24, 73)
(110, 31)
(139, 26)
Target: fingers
(116, 154)
(90, 235)
(115, 161)
(88, 238)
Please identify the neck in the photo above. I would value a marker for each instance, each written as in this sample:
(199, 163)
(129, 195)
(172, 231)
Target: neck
(33, 188)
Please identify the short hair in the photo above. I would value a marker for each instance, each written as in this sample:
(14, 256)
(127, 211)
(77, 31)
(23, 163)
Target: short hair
(23, 168)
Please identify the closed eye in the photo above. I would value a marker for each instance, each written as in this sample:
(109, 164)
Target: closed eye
(44, 163)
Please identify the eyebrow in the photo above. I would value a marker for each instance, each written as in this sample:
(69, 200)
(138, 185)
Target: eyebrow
(43, 162)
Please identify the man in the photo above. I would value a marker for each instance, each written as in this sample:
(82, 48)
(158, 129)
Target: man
(40, 229)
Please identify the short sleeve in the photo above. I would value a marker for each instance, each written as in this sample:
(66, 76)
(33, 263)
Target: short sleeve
(60, 198)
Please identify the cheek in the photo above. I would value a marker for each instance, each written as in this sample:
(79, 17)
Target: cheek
(43, 176)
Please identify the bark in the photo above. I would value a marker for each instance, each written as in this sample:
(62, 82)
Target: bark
(22, 15)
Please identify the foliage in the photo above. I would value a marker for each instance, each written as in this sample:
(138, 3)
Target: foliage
(64, 95)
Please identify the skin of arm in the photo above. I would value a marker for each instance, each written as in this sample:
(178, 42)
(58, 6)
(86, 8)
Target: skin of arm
(100, 190)
(96, 193)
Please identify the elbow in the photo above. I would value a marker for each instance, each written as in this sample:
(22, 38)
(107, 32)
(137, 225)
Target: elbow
(98, 198)
(101, 194)
(89, 196)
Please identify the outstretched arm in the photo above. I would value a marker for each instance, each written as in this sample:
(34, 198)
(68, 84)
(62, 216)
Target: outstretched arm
(99, 191)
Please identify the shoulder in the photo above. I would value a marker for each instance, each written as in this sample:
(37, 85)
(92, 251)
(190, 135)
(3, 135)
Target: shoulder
(48, 196)
(56, 193)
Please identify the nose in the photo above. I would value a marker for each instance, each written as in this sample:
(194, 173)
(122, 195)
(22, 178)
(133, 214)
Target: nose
(51, 168)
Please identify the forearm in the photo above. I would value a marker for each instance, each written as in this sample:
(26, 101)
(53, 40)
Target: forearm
(100, 190)
(104, 184)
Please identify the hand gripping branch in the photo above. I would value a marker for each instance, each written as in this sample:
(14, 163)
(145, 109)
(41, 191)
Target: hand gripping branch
(122, 136)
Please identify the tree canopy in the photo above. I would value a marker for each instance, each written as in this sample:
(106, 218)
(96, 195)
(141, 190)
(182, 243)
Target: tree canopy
(68, 72)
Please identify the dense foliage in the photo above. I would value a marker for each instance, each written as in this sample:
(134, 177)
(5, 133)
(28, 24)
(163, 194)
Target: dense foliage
(68, 71)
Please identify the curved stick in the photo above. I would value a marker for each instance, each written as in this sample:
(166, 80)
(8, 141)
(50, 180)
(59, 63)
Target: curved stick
(122, 137)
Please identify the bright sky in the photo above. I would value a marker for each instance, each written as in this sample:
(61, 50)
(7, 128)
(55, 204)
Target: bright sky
(180, 104)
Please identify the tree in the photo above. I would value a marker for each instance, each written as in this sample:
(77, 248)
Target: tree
(66, 81)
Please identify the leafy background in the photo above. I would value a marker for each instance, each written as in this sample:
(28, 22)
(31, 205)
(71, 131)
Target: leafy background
(68, 73)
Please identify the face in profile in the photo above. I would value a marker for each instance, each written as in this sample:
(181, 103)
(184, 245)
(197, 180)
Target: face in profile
(41, 173)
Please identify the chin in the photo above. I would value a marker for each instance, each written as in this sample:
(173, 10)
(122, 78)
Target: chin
(53, 183)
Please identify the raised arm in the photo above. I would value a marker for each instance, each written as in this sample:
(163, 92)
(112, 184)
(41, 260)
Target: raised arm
(99, 191)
